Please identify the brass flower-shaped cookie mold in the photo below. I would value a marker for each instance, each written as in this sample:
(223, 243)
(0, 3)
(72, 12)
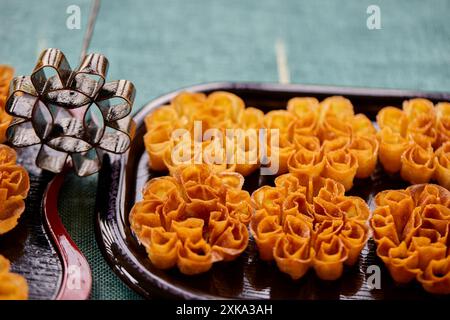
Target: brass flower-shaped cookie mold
(411, 228)
(415, 141)
(192, 219)
(70, 113)
(309, 223)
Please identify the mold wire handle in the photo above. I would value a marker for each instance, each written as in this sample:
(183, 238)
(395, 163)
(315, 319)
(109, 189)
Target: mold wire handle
(90, 28)
(87, 41)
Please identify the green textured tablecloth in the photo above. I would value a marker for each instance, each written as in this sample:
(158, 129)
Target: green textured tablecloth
(163, 45)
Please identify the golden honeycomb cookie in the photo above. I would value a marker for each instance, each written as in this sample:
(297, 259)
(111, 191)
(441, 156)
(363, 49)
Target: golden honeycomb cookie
(304, 223)
(192, 129)
(413, 140)
(442, 163)
(192, 219)
(195, 121)
(12, 286)
(443, 122)
(6, 75)
(329, 140)
(365, 148)
(411, 229)
(14, 186)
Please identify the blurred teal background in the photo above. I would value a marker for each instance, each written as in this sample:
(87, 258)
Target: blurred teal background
(167, 44)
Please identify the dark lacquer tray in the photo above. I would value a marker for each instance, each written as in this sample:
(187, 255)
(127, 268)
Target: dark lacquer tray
(39, 248)
(28, 246)
(122, 179)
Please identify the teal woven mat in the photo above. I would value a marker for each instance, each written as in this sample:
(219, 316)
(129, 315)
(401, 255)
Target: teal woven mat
(164, 45)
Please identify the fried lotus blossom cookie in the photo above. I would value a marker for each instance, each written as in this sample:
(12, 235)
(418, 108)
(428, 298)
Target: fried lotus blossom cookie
(365, 148)
(394, 119)
(304, 223)
(307, 115)
(14, 186)
(417, 107)
(192, 219)
(411, 229)
(6, 75)
(279, 142)
(443, 122)
(331, 122)
(362, 126)
(412, 140)
(333, 128)
(336, 107)
(308, 160)
(418, 164)
(442, 160)
(392, 147)
(5, 119)
(12, 286)
(329, 140)
(209, 152)
(194, 120)
(341, 165)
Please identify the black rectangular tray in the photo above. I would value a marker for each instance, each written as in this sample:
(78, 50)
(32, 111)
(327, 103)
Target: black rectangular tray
(29, 246)
(122, 178)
